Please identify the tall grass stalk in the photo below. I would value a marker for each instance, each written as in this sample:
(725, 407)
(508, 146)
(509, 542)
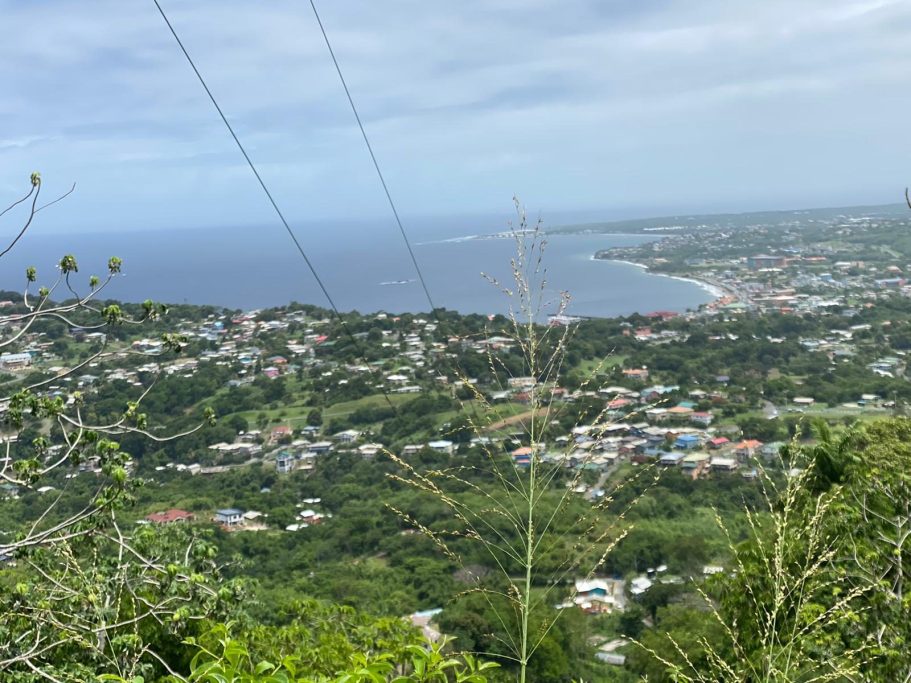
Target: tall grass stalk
(783, 605)
(527, 515)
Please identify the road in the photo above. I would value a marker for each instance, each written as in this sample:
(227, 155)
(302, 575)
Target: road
(602, 480)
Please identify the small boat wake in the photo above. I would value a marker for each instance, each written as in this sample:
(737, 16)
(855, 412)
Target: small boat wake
(397, 282)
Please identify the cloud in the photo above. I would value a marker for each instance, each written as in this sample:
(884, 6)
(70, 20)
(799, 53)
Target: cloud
(576, 104)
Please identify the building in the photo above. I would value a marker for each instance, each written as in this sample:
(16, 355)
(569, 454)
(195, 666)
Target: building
(522, 456)
(13, 361)
(442, 446)
(171, 516)
(680, 413)
(320, 447)
(702, 418)
(284, 462)
(694, 464)
(670, 459)
(229, 516)
(598, 596)
(747, 449)
(687, 441)
(763, 261)
(719, 464)
(347, 436)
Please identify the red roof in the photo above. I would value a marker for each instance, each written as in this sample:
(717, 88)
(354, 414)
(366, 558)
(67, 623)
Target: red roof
(173, 515)
(749, 443)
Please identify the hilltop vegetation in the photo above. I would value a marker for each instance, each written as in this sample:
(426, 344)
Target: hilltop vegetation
(301, 441)
(201, 494)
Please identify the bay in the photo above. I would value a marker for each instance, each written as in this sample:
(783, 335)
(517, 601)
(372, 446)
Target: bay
(246, 268)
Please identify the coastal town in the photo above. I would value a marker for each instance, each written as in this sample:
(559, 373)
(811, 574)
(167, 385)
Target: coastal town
(787, 262)
(298, 394)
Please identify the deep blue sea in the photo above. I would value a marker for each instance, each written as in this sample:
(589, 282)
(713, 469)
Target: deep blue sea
(259, 267)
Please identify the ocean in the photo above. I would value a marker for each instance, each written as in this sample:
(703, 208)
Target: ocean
(247, 268)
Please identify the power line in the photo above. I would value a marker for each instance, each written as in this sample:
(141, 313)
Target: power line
(376, 165)
(268, 194)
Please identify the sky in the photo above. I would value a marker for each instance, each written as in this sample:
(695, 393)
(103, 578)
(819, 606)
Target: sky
(611, 107)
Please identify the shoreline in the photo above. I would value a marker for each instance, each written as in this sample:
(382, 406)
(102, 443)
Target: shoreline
(713, 290)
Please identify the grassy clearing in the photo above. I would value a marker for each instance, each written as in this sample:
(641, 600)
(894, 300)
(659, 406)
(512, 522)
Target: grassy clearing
(588, 367)
(372, 401)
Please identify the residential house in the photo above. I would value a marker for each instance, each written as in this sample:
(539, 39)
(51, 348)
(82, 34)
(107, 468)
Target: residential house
(702, 418)
(670, 459)
(657, 391)
(720, 464)
(171, 516)
(598, 596)
(638, 374)
(522, 456)
(694, 464)
(442, 446)
(229, 517)
(680, 413)
(657, 415)
(747, 449)
(521, 382)
(619, 404)
(284, 462)
(370, 450)
(347, 436)
(687, 441)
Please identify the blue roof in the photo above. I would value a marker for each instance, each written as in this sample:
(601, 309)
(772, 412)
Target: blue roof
(229, 512)
(687, 437)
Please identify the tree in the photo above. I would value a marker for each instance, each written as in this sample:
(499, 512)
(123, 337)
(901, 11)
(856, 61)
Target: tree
(47, 436)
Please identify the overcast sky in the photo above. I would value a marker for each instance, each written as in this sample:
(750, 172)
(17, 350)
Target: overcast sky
(633, 107)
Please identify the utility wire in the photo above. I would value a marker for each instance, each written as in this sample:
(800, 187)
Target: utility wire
(376, 165)
(268, 194)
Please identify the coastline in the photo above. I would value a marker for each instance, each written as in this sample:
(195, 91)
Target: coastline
(713, 290)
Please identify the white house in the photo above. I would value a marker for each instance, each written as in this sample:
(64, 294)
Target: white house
(229, 516)
(442, 446)
(723, 464)
(284, 462)
(347, 436)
